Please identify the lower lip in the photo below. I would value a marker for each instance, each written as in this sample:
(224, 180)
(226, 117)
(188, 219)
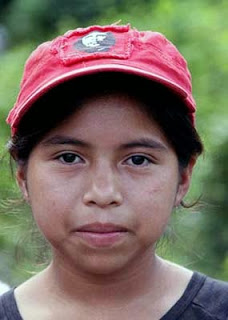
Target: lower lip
(100, 240)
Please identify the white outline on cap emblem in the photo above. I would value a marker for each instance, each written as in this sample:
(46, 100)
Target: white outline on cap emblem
(95, 42)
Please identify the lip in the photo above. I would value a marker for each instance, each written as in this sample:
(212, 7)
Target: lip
(101, 235)
(102, 228)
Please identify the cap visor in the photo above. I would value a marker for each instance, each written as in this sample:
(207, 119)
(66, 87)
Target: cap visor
(93, 70)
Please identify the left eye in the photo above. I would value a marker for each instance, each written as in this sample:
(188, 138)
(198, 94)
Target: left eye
(138, 160)
(70, 158)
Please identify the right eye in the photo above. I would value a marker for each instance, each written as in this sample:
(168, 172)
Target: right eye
(70, 158)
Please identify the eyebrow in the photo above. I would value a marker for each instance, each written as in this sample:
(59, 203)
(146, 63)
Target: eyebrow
(144, 143)
(55, 140)
(141, 142)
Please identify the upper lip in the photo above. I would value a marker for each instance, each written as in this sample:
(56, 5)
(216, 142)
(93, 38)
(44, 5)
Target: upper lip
(101, 228)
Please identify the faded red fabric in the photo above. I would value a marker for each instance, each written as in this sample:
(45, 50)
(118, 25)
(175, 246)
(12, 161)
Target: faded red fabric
(100, 49)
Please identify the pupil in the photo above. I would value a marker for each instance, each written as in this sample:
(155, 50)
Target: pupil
(70, 157)
(137, 160)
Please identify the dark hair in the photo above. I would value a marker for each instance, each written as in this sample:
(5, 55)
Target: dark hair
(161, 104)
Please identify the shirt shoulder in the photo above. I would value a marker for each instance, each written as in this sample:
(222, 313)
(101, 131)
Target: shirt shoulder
(212, 299)
(8, 307)
(205, 298)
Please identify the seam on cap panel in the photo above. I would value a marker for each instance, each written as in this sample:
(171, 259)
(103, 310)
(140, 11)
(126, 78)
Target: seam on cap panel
(82, 31)
(169, 60)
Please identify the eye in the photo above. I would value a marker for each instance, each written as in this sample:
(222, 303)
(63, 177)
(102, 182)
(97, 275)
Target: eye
(69, 158)
(138, 160)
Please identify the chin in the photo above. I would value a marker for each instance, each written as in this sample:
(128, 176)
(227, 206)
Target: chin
(103, 266)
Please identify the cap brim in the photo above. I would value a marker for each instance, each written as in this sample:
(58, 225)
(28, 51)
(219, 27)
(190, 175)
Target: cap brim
(92, 70)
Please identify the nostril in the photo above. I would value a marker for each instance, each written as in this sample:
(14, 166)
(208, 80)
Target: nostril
(113, 203)
(103, 191)
(102, 204)
(102, 199)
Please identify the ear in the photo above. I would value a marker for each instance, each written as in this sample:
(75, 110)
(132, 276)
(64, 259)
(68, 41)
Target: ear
(184, 182)
(22, 182)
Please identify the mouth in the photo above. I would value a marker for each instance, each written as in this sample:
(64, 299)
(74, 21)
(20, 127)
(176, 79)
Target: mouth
(101, 235)
(102, 228)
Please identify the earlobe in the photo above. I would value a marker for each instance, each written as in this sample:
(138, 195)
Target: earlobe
(22, 182)
(184, 183)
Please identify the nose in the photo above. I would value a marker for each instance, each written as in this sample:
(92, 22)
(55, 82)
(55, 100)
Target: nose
(103, 189)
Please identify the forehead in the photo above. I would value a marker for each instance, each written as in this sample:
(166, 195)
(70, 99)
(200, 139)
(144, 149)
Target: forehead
(113, 107)
(64, 99)
(110, 118)
(144, 100)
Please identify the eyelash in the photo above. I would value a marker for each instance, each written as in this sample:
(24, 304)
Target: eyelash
(75, 156)
(61, 158)
(142, 157)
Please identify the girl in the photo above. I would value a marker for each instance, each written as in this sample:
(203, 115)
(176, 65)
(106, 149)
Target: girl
(104, 137)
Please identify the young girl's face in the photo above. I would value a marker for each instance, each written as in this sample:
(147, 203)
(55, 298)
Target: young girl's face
(102, 185)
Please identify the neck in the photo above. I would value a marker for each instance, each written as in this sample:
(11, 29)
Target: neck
(117, 288)
(150, 287)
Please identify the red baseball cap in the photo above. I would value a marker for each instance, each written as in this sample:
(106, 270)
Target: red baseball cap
(117, 48)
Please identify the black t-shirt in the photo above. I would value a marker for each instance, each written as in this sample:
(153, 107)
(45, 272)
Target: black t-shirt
(204, 299)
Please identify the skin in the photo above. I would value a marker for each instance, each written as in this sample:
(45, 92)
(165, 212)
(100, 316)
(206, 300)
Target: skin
(124, 172)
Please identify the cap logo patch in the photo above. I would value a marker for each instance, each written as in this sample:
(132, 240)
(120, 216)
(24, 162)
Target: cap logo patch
(95, 42)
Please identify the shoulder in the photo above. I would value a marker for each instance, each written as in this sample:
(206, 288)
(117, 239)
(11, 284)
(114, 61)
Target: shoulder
(204, 299)
(212, 298)
(8, 307)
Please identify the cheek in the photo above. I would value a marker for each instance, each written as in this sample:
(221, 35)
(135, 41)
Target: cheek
(156, 191)
(51, 202)
(152, 203)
